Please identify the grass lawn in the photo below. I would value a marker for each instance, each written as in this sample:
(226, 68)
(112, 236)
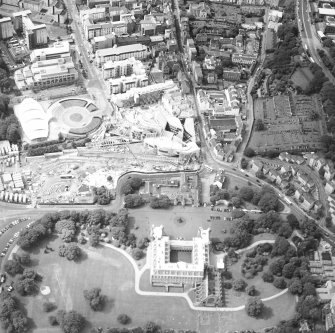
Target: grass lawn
(111, 271)
(194, 217)
(302, 77)
(235, 298)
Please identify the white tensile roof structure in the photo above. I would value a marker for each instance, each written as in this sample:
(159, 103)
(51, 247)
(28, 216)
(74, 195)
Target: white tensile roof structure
(33, 119)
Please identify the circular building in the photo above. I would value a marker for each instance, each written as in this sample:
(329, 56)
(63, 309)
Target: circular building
(74, 117)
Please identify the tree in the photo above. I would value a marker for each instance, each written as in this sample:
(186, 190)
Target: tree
(27, 283)
(244, 163)
(137, 254)
(280, 246)
(123, 319)
(237, 213)
(236, 202)
(133, 201)
(279, 282)
(268, 277)
(246, 193)
(48, 306)
(71, 251)
(13, 267)
(309, 289)
(288, 270)
(285, 230)
(276, 267)
(268, 202)
(131, 185)
(95, 299)
(292, 221)
(70, 322)
(295, 287)
(249, 152)
(94, 239)
(239, 285)
(251, 290)
(24, 259)
(65, 224)
(259, 125)
(254, 307)
(151, 327)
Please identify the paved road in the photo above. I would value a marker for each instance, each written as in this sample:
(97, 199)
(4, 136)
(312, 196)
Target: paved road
(96, 84)
(308, 36)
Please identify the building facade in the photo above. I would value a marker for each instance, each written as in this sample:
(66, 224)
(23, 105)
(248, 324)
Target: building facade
(138, 51)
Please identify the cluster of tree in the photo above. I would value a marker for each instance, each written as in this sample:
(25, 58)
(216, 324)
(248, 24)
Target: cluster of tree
(27, 283)
(11, 317)
(162, 201)
(217, 194)
(70, 251)
(95, 299)
(98, 218)
(13, 267)
(149, 327)
(66, 229)
(44, 150)
(131, 185)
(287, 47)
(256, 260)
(325, 59)
(133, 200)
(266, 199)
(9, 128)
(319, 79)
(241, 235)
(239, 285)
(69, 322)
(102, 195)
(254, 307)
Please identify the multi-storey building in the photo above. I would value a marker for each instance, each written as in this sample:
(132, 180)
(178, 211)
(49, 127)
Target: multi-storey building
(178, 262)
(103, 42)
(58, 50)
(125, 83)
(6, 28)
(103, 28)
(115, 69)
(231, 74)
(35, 35)
(45, 74)
(243, 59)
(138, 51)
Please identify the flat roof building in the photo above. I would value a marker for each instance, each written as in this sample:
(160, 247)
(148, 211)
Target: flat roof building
(178, 262)
(45, 74)
(58, 50)
(138, 51)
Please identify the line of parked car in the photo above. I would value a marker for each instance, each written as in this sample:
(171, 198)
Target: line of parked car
(16, 235)
(3, 278)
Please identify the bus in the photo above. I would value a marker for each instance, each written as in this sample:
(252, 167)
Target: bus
(321, 36)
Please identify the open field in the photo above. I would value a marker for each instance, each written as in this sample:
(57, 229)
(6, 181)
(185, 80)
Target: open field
(110, 270)
(302, 77)
(193, 217)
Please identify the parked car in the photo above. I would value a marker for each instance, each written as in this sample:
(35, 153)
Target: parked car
(10, 288)
(3, 278)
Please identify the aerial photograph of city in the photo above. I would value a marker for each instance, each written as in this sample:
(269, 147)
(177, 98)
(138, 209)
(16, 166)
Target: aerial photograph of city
(167, 166)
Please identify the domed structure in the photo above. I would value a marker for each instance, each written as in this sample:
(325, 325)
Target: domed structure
(33, 120)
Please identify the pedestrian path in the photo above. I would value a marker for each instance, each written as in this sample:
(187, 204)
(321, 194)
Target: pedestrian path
(139, 272)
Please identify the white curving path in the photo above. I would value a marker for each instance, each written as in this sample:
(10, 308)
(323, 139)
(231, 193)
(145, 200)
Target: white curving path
(139, 272)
